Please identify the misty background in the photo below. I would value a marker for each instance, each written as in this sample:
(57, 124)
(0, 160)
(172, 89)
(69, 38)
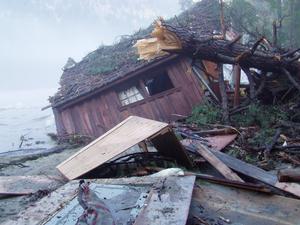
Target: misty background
(37, 37)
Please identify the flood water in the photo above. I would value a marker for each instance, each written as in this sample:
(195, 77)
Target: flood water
(21, 117)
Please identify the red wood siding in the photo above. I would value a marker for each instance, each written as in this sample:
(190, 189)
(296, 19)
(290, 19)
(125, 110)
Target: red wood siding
(101, 112)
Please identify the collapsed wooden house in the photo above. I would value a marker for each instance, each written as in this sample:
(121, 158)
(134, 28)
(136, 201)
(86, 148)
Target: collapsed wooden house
(111, 83)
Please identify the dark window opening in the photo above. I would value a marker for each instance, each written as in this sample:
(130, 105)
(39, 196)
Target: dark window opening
(158, 84)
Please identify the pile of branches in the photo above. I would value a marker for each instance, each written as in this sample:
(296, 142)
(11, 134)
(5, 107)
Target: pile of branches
(273, 74)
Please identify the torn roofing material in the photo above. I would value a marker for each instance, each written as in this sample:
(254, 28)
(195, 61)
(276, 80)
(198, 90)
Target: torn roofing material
(126, 134)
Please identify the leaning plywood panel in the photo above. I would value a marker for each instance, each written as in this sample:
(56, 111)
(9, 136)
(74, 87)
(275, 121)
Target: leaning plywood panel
(111, 144)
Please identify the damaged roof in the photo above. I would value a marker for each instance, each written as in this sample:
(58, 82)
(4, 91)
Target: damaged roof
(109, 63)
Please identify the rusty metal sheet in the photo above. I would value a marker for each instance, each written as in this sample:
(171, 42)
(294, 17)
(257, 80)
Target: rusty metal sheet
(217, 204)
(168, 202)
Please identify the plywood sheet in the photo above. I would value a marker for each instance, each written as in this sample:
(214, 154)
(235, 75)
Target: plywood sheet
(168, 202)
(111, 144)
(23, 185)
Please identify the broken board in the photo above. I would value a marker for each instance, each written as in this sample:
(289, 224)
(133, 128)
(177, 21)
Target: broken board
(257, 173)
(213, 160)
(125, 135)
(249, 170)
(24, 185)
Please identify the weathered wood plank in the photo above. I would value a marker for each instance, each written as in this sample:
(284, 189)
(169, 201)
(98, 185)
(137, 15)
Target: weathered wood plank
(287, 175)
(217, 163)
(257, 173)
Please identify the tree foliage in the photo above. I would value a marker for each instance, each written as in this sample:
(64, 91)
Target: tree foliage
(260, 17)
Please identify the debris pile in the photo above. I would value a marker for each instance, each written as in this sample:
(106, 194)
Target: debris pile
(166, 173)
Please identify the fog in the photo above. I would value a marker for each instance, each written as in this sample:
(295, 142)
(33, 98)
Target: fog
(37, 37)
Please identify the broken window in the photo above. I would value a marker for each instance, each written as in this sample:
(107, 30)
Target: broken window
(130, 95)
(158, 84)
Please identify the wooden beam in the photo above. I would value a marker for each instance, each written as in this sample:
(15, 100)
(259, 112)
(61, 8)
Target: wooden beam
(257, 173)
(237, 81)
(215, 162)
(288, 175)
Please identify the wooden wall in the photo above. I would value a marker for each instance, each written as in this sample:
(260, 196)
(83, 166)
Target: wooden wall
(96, 115)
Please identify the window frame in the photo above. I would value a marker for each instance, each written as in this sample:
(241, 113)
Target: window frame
(127, 98)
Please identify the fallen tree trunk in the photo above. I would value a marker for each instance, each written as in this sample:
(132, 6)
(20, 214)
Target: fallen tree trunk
(182, 40)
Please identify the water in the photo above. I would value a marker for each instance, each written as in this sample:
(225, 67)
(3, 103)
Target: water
(21, 115)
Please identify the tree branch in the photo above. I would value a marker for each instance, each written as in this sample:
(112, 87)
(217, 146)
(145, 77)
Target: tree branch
(293, 81)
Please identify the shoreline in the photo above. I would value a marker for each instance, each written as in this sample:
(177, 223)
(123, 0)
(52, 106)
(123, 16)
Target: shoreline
(22, 155)
(35, 162)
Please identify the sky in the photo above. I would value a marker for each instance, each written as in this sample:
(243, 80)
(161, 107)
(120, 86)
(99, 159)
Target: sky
(38, 36)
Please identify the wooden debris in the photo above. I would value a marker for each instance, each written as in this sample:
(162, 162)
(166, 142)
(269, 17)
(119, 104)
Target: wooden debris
(218, 142)
(223, 131)
(289, 175)
(270, 146)
(230, 183)
(289, 158)
(184, 40)
(162, 39)
(257, 173)
(215, 162)
(126, 134)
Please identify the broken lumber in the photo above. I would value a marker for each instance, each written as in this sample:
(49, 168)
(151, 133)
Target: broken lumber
(120, 138)
(223, 131)
(215, 162)
(270, 146)
(231, 183)
(289, 175)
(251, 171)
(257, 173)
(218, 142)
